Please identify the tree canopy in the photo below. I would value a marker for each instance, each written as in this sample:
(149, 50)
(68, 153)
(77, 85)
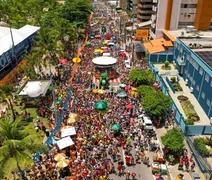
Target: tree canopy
(173, 140)
(157, 103)
(141, 77)
(17, 147)
(56, 21)
(145, 90)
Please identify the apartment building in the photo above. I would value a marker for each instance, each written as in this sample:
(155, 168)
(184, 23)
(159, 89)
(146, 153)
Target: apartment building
(176, 14)
(145, 10)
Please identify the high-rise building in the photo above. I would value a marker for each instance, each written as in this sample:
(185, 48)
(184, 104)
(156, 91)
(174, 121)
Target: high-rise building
(177, 14)
(145, 10)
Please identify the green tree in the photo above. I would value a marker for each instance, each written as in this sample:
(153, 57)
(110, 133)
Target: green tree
(145, 90)
(141, 77)
(17, 147)
(173, 140)
(157, 103)
(6, 95)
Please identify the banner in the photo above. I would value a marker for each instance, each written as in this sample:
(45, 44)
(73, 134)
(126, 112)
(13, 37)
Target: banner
(141, 34)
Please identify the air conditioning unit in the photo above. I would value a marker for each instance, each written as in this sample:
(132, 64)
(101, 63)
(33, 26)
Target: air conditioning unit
(189, 29)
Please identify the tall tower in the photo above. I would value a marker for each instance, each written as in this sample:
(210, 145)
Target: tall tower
(203, 15)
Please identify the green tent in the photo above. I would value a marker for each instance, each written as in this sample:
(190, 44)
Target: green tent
(100, 105)
(104, 74)
(88, 43)
(115, 127)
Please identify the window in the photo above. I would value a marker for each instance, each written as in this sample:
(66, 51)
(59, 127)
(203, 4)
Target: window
(211, 82)
(194, 82)
(203, 95)
(186, 73)
(188, 76)
(208, 102)
(197, 88)
(207, 77)
(188, 5)
(200, 71)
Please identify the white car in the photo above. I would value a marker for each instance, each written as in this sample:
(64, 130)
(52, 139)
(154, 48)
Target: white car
(127, 64)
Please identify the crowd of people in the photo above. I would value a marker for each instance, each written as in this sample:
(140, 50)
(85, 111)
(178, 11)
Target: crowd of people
(97, 150)
(96, 153)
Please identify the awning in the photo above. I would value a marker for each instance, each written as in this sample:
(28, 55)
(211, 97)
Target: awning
(172, 38)
(147, 23)
(136, 26)
(95, 81)
(116, 81)
(69, 131)
(65, 142)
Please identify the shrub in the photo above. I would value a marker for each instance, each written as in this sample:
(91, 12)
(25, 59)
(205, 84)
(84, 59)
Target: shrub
(173, 79)
(189, 121)
(166, 64)
(200, 146)
(182, 98)
(208, 141)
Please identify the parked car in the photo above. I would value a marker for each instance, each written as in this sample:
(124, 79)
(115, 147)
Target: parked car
(127, 64)
(147, 123)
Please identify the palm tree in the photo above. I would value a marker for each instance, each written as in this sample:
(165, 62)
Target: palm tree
(17, 148)
(6, 95)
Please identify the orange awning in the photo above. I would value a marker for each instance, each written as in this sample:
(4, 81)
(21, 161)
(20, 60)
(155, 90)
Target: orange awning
(147, 45)
(168, 43)
(156, 49)
(172, 38)
(157, 42)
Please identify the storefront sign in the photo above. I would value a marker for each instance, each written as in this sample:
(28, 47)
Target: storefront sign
(9, 55)
(142, 34)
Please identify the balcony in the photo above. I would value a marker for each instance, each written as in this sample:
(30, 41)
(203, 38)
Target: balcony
(154, 8)
(146, 5)
(143, 1)
(153, 25)
(144, 17)
(153, 17)
(145, 11)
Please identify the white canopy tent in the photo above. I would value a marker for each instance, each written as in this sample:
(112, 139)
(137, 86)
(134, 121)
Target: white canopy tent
(104, 61)
(65, 142)
(68, 132)
(19, 35)
(106, 54)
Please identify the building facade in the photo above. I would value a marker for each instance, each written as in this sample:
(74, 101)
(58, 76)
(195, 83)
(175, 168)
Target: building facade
(196, 69)
(176, 14)
(145, 10)
(14, 44)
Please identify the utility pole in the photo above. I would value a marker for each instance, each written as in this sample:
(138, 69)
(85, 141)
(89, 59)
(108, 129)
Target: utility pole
(13, 47)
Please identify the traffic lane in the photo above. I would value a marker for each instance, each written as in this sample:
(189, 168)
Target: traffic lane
(142, 171)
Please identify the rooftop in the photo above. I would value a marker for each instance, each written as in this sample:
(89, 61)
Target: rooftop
(199, 42)
(18, 36)
(195, 40)
(157, 45)
(43, 83)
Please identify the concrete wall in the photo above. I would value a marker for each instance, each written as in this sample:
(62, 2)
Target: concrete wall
(161, 16)
(175, 14)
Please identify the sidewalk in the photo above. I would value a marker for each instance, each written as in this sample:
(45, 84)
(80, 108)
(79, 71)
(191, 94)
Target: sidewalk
(174, 169)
